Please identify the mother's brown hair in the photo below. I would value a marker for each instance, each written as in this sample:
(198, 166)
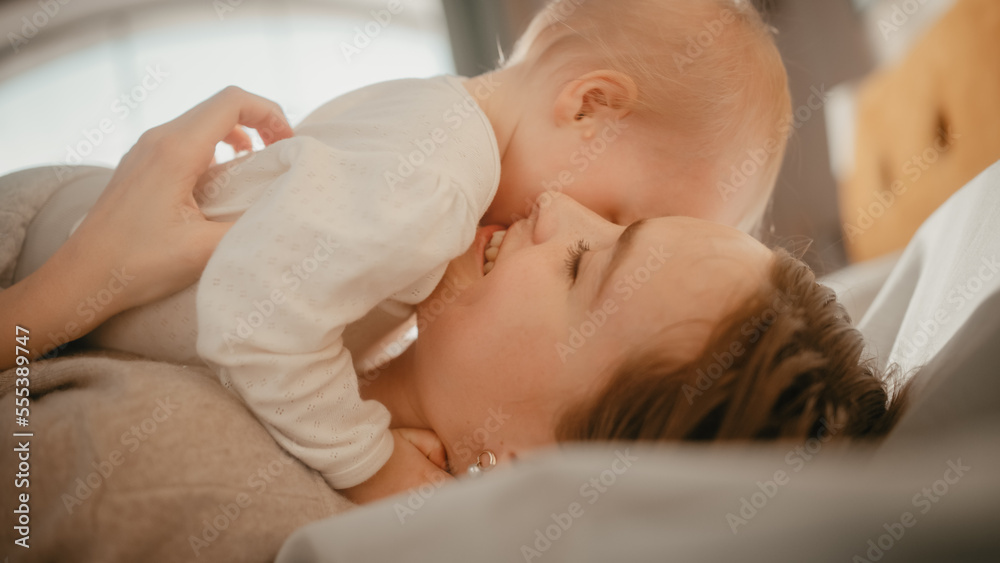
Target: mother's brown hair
(786, 365)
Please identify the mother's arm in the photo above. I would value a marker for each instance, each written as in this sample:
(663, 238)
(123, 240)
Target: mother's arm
(145, 238)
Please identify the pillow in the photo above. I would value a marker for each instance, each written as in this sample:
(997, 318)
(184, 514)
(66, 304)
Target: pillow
(949, 270)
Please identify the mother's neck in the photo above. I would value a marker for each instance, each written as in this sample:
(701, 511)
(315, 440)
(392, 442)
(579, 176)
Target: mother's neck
(393, 385)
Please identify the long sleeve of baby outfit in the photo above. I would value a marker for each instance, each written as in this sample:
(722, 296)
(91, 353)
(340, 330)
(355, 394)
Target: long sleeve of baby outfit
(377, 192)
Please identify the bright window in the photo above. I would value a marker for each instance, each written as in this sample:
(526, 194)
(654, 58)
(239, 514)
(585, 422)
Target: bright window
(160, 59)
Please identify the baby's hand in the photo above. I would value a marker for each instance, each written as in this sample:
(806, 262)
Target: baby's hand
(418, 457)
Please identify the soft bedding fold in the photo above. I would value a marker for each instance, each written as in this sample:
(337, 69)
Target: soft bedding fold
(135, 460)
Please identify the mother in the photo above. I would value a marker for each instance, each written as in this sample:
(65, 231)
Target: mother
(671, 328)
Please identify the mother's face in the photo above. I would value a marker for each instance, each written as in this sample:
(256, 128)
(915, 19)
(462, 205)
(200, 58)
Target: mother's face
(500, 355)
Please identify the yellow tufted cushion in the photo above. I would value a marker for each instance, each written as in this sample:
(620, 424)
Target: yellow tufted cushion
(925, 128)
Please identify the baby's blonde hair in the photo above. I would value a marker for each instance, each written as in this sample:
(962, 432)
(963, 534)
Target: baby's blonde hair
(707, 68)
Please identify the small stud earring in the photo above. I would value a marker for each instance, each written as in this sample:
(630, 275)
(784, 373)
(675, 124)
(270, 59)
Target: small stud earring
(480, 466)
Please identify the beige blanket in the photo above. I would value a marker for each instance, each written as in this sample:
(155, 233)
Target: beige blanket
(134, 460)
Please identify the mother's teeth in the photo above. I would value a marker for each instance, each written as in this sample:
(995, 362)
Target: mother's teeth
(497, 238)
(492, 250)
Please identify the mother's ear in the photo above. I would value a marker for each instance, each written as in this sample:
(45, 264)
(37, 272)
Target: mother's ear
(593, 98)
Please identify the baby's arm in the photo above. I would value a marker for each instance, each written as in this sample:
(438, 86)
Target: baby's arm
(311, 256)
(418, 458)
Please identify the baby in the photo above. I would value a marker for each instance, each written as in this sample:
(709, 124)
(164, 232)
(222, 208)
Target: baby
(635, 108)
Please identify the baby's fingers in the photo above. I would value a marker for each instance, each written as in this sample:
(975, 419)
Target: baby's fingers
(238, 139)
(428, 443)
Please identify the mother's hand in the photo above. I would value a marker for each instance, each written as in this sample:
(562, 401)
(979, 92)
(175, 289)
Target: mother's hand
(147, 218)
(145, 237)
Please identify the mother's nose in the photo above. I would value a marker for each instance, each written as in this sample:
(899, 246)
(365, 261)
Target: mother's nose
(558, 215)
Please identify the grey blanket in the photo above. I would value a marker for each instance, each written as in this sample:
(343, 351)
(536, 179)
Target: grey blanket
(134, 460)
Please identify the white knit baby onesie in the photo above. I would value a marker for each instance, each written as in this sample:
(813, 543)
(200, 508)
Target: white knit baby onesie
(362, 210)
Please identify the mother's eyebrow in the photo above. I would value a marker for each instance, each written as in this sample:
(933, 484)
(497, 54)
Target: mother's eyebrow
(618, 253)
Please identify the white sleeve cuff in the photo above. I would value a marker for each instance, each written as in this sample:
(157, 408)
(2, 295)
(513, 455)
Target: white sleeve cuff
(377, 456)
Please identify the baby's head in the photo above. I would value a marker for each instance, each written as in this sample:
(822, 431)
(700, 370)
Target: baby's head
(644, 108)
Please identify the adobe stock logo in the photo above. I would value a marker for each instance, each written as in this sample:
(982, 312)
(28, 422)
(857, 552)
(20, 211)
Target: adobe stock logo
(31, 26)
(751, 505)
(697, 44)
(624, 288)
(363, 36)
(561, 522)
(924, 500)
(900, 16)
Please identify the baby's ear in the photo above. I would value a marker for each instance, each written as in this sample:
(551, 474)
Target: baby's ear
(601, 94)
